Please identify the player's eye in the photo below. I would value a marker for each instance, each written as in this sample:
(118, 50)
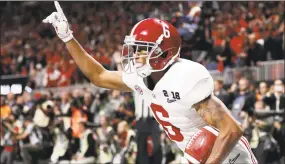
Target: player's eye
(142, 49)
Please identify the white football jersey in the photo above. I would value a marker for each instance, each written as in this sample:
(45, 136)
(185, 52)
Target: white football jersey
(184, 84)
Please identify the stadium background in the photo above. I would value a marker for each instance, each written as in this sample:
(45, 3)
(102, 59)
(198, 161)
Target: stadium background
(241, 43)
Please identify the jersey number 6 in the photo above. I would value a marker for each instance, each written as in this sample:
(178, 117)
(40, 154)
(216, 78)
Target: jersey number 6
(172, 131)
(165, 28)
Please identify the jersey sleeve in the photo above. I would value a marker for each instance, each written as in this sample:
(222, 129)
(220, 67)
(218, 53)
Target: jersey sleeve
(125, 80)
(201, 90)
(129, 80)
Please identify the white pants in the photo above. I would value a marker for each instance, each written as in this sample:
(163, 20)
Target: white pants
(240, 154)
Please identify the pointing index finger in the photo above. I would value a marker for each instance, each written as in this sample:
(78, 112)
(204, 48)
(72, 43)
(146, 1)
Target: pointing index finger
(59, 10)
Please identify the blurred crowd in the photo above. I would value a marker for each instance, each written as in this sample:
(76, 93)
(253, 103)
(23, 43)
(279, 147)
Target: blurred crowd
(77, 126)
(260, 110)
(224, 35)
(88, 126)
(219, 35)
(80, 126)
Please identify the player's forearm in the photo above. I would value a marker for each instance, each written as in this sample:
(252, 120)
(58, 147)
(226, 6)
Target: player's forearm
(216, 114)
(88, 65)
(223, 145)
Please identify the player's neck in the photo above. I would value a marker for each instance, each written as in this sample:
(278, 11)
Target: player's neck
(153, 79)
(156, 76)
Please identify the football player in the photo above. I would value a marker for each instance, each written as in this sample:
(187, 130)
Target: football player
(179, 92)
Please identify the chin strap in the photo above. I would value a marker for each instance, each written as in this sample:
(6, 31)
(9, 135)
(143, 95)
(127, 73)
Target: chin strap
(144, 71)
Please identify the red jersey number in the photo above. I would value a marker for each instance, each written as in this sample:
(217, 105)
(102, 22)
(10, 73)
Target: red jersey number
(172, 131)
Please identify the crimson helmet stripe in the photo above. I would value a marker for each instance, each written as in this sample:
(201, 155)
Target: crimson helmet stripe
(136, 25)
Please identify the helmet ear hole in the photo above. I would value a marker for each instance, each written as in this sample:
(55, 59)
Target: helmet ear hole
(164, 54)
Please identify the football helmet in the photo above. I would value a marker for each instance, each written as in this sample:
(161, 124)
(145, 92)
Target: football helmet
(159, 43)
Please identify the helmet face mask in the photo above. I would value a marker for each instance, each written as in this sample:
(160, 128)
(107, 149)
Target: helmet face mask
(131, 52)
(149, 41)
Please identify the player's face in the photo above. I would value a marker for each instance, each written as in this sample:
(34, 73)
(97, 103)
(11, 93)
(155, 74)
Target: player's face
(141, 56)
(135, 54)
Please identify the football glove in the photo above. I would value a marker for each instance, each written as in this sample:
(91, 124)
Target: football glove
(60, 23)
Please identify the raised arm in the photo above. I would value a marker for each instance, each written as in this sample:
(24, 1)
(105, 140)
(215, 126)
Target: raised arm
(92, 69)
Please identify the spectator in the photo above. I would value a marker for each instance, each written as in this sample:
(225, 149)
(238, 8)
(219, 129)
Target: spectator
(279, 135)
(86, 152)
(39, 75)
(104, 130)
(34, 149)
(222, 50)
(255, 52)
(62, 149)
(64, 113)
(221, 93)
(126, 145)
(244, 100)
(113, 102)
(273, 46)
(95, 108)
(7, 130)
(4, 109)
(11, 99)
(44, 114)
(259, 134)
(171, 153)
(262, 90)
(104, 133)
(66, 74)
(126, 109)
(117, 58)
(87, 103)
(51, 76)
(276, 100)
(62, 152)
(17, 108)
(189, 23)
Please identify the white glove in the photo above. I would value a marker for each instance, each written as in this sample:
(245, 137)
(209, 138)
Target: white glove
(60, 24)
